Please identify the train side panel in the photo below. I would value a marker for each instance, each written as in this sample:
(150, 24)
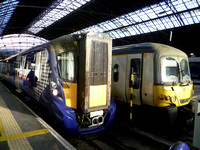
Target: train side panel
(148, 79)
(119, 66)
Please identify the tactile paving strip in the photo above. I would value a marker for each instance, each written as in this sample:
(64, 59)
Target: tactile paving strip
(9, 126)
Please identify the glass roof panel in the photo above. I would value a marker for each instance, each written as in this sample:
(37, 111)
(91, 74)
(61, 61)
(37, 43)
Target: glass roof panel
(191, 4)
(184, 19)
(196, 15)
(58, 10)
(161, 16)
(7, 8)
(151, 14)
(159, 24)
(132, 30)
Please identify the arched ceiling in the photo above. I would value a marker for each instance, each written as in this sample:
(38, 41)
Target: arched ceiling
(77, 15)
(14, 43)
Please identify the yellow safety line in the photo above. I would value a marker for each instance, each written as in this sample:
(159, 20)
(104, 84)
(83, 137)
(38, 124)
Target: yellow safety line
(23, 135)
(1, 130)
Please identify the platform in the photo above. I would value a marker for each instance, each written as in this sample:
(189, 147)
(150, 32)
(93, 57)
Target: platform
(22, 129)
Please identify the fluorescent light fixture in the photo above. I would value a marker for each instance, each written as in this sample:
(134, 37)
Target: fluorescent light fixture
(161, 16)
(6, 10)
(56, 11)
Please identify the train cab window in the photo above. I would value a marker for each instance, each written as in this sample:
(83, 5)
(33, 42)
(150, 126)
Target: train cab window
(169, 70)
(116, 72)
(185, 70)
(135, 70)
(66, 65)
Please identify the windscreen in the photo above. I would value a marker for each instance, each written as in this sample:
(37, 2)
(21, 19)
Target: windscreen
(66, 65)
(170, 70)
(175, 70)
(185, 70)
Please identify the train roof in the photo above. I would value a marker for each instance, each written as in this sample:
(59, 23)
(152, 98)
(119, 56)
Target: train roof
(53, 42)
(60, 42)
(158, 48)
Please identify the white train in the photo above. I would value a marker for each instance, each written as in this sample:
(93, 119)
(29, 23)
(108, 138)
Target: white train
(160, 75)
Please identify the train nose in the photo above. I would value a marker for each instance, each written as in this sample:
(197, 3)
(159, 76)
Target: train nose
(97, 120)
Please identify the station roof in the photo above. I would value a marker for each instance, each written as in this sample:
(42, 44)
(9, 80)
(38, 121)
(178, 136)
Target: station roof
(172, 22)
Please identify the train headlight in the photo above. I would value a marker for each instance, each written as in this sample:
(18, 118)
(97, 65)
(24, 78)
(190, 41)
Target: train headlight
(55, 88)
(173, 99)
(55, 92)
(168, 98)
(163, 97)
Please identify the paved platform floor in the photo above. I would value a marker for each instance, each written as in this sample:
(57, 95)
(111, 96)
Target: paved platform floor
(22, 129)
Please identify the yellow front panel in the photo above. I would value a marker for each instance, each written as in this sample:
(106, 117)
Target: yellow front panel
(70, 94)
(179, 93)
(98, 94)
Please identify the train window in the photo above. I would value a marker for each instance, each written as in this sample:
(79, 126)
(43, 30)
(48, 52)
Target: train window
(38, 66)
(30, 64)
(66, 64)
(12, 70)
(116, 72)
(185, 70)
(17, 62)
(23, 61)
(170, 70)
(135, 70)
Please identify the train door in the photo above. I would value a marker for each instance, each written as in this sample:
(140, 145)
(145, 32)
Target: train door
(29, 73)
(148, 79)
(118, 78)
(17, 71)
(134, 62)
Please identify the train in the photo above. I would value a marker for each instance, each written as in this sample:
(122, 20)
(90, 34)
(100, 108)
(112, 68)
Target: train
(64, 75)
(153, 75)
(195, 69)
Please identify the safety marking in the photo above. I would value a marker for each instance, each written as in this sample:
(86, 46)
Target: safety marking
(23, 135)
(1, 129)
(10, 127)
(58, 137)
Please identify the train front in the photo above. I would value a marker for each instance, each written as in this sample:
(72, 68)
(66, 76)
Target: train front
(84, 67)
(174, 86)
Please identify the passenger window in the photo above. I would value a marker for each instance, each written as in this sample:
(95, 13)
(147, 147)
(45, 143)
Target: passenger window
(12, 70)
(30, 62)
(23, 61)
(135, 70)
(38, 66)
(116, 72)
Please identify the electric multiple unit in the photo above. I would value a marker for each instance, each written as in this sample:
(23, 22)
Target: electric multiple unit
(71, 77)
(160, 74)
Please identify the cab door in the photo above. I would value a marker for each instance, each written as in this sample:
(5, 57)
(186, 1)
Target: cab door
(134, 62)
(119, 77)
